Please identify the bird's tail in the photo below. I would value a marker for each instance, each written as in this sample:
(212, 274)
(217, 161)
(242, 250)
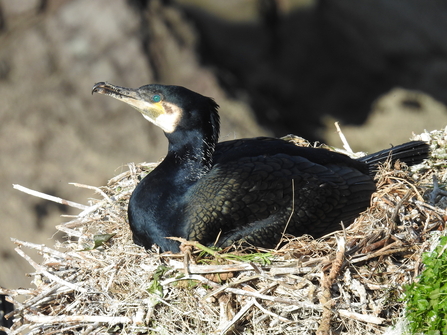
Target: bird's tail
(411, 153)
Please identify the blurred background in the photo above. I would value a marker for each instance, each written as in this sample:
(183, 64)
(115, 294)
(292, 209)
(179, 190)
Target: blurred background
(274, 66)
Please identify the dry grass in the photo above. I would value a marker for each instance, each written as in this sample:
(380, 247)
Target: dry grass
(349, 282)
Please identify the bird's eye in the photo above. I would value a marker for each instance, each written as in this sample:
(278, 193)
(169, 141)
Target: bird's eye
(156, 98)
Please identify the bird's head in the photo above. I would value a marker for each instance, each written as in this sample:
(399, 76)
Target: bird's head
(171, 108)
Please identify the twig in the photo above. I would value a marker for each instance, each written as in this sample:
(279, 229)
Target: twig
(70, 232)
(239, 315)
(419, 196)
(91, 328)
(249, 304)
(15, 292)
(190, 277)
(379, 253)
(204, 269)
(432, 208)
(343, 139)
(326, 299)
(40, 296)
(210, 251)
(245, 293)
(375, 245)
(49, 197)
(275, 271)
(274, 299)
(232, 284)
(395, 214)
(42, 248)
(77, 318)
(94, 188)
(290, 216)
(266, 311)
(78, 221)
(21, 330)
(91, 209)
(41, 269)
(361, 317)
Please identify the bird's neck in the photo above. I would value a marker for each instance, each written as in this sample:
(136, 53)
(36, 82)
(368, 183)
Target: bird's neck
(191, 153)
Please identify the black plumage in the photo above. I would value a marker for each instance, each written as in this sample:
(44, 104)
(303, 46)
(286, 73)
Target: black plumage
(248, 189)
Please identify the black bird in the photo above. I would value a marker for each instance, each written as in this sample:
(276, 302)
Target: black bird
(253, 190)
(5, 308)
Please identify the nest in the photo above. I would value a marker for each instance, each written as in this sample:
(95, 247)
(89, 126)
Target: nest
(349, 282)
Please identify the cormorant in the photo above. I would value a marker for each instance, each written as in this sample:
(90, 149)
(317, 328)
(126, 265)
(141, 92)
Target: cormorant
(252, 190)
(5, 308)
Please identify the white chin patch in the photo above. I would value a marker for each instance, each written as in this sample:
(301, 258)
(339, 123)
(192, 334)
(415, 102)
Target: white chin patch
(169, 120)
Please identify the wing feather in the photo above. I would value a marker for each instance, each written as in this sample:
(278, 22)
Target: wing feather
(254, 197)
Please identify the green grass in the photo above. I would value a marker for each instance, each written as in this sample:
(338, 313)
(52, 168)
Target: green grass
(427, 298)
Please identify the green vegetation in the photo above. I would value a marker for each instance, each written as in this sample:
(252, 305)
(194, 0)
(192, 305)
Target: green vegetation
(99, 241)
(155, 286)
(263, 258)
(427, 298)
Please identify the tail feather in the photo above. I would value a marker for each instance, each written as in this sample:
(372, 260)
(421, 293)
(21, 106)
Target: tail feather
(411, 153)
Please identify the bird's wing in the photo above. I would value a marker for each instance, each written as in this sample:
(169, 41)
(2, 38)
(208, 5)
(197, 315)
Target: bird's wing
(257, 197)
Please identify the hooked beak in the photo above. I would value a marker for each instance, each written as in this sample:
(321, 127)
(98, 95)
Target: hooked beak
(127, 95)
(152, 111)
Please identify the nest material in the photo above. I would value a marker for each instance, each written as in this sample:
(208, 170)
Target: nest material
(348, 282)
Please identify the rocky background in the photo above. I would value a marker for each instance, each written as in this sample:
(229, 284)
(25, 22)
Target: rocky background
(275, 67)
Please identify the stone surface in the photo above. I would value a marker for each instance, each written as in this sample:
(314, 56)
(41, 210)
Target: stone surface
(334, 57)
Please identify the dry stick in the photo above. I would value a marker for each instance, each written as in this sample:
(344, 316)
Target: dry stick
(384, 248)
(49, 197)
(4, 329)
(42, 248)
(419, 196)
(205, 269)
(77, 318)
(190, 277)
(379, 253)
(266, 311)
(202, 279)
(70, 232)
(343, 139)
(210, 251)
(433, 208)
(65, 330)
(274, 299)
(437, 212)
(94, 188)
(325, 299)
(16, 292)
(42, 270)
(91, 328)
(76, 222)
(291, 270)
(241, 312)
(224, 287)
(91, 209)
(21, 330)
(361, 317)
(248, 305)
(39, 297)
(291, 214)
(375, 245)
(397, 208)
